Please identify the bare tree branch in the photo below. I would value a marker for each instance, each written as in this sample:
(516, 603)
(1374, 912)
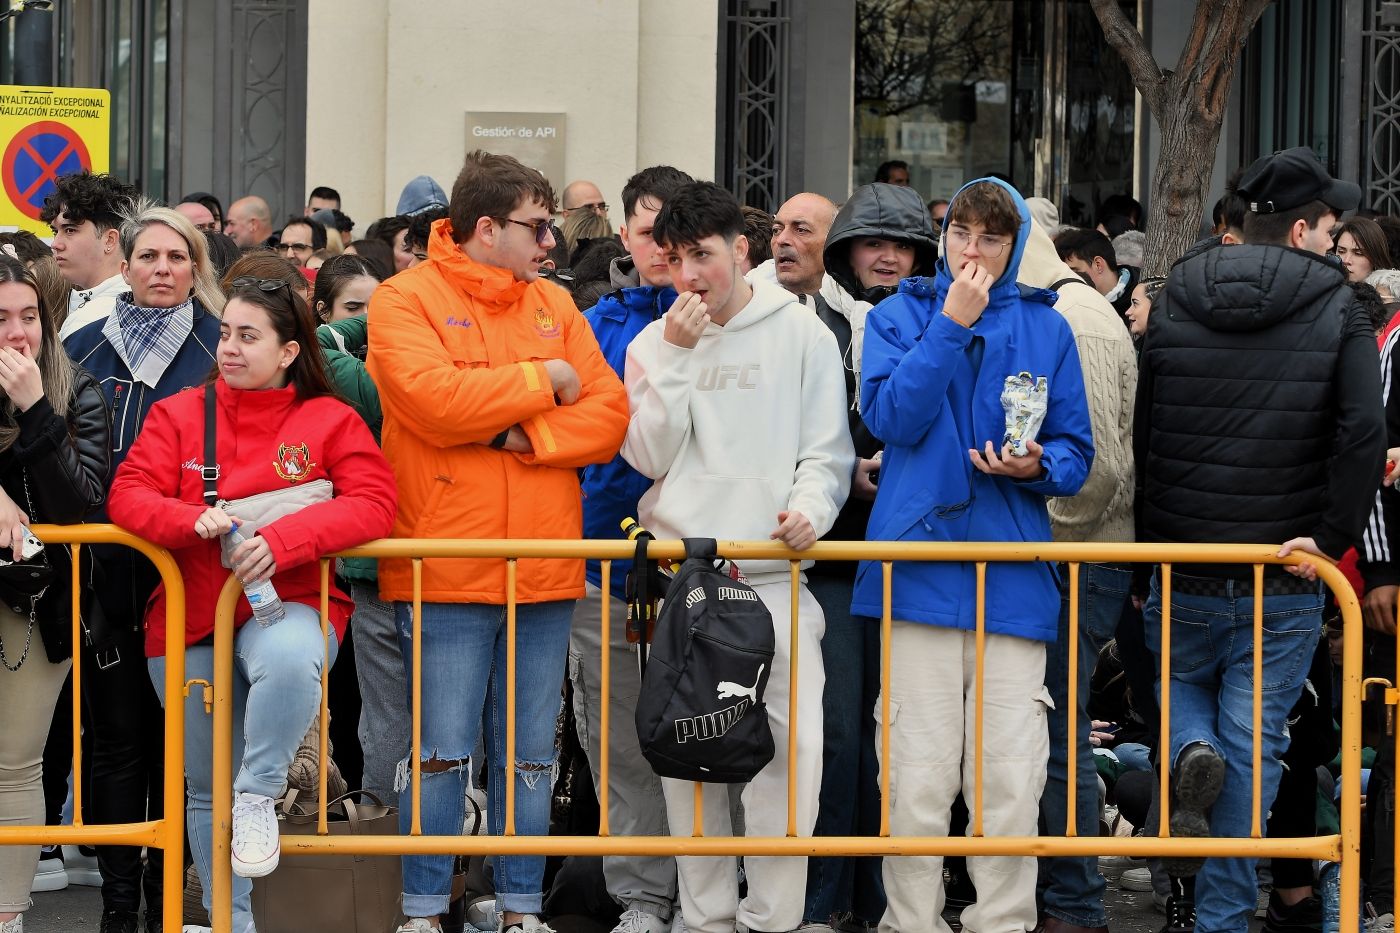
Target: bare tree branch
(1123, 36)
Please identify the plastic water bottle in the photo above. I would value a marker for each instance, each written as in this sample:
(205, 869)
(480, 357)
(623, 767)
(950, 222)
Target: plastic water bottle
(267, 605)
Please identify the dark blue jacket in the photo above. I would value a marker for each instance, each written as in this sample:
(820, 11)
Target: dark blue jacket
(931, 390)
(128, 401)
(611, 490)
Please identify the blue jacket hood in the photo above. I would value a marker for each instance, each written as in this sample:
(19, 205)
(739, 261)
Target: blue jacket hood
(1006, 283)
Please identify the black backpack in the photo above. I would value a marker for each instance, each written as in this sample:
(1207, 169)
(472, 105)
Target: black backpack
(700, 714)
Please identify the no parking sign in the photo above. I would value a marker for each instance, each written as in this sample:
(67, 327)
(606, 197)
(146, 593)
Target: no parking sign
(46, 133)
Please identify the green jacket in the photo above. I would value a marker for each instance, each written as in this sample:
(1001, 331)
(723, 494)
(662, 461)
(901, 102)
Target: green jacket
(343, 346)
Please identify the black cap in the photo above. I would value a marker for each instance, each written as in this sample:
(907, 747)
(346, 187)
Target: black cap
(1292, 178)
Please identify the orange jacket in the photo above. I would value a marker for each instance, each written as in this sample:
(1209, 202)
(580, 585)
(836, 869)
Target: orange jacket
(456, 348)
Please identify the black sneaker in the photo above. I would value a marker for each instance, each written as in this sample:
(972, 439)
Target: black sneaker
(154, 922)
(118, 921)
(1302, 917)
(1181, 916)
(1195, 783)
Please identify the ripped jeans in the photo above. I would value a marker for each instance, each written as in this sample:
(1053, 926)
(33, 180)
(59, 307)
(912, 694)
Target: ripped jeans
(464, 674)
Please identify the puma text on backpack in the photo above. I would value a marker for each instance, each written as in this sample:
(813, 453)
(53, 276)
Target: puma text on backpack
(700, 715)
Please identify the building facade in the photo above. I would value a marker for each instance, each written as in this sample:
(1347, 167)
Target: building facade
(770, 97)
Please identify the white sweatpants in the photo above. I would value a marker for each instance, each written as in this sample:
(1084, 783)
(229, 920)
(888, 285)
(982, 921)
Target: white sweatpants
(932, 716)
(709, 886)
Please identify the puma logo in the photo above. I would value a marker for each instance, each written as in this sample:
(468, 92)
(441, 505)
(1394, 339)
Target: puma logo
(727, 689)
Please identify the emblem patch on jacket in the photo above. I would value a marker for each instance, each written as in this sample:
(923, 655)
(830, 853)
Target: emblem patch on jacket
(545, 325)
(293, 462)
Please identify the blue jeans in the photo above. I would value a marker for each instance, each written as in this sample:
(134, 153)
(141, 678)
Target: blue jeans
(1071, 889)
(276, 696)
(850, 793)
(464, 674)
(1212, 674)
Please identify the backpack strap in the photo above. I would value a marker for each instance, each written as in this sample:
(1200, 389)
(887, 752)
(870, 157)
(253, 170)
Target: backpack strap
(701, 549)
(210, 471)
(1069, 281)
(643, 603)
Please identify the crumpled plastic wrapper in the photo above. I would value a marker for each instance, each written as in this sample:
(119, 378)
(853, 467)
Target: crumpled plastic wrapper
(1025, 399)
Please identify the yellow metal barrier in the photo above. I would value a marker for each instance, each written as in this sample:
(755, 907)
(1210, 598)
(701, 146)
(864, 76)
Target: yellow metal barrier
(1344, 847)
(167, 833)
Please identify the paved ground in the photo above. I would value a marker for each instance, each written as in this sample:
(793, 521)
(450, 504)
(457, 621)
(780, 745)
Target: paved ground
(78, 909)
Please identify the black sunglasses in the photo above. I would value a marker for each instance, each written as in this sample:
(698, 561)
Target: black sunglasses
(265, 285)
(541, 227)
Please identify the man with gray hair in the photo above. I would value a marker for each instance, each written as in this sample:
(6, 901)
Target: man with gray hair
(799, 236)
(582, 195)
(1129, 248)
(249, 222)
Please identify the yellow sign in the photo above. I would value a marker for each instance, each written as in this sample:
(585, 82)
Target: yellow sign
(46, 133)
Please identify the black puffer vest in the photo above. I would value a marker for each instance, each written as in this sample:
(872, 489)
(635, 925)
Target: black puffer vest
(1241, 359)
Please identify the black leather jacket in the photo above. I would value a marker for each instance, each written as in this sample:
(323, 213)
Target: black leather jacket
(66, 463)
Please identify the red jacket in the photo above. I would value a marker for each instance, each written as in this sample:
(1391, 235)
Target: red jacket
(158, 494)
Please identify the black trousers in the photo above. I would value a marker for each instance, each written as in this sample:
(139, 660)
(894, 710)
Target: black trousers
(124, 715)
(1378, 827)
(127, 769)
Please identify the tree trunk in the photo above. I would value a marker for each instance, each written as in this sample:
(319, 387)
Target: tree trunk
(1189, 107)
(1179, 183)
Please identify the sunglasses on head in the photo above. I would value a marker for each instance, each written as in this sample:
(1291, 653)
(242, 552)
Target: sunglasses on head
(265, 285)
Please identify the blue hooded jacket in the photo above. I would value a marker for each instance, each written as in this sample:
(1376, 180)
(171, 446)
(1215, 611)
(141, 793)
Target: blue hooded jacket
(611, 490)
(931, 390)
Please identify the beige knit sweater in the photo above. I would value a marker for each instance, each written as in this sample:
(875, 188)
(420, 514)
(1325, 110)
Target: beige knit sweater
(1103, 510)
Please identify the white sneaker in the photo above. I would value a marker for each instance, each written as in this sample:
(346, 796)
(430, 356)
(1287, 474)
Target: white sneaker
(529, 924)
(191, 928)
(50, 874)
(678, 923)
(1110, 865)
(1385, 923)
(257, 847)
(81, 862)
(482, 913)
(812, 927)
(418, 925)
(13, 926)
(636, 920)
(1136, 879)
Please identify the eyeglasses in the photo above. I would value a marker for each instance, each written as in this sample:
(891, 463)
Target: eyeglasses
(294, 248)
(988, 245)
(265, 285)
(541, 227)
(597, 207)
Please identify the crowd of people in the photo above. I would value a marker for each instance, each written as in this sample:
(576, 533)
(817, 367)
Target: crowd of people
(499, 364)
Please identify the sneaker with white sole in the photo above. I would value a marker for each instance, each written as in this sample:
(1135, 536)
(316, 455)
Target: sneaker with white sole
(1110, 865)
(257, 847)
(678, 923)
(191, 928)
(483, 915)
(1385, 923)
(81, 862)
(636, 920)
(13, 925)
(527, 924)
(418, 925)
(1136, 879)
(50, 874)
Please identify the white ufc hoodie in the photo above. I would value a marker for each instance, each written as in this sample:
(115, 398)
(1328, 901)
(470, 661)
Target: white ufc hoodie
(750, 423)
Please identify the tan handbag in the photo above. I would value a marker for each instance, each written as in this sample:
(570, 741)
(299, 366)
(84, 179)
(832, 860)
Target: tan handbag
(253, 512)
(344, 893)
